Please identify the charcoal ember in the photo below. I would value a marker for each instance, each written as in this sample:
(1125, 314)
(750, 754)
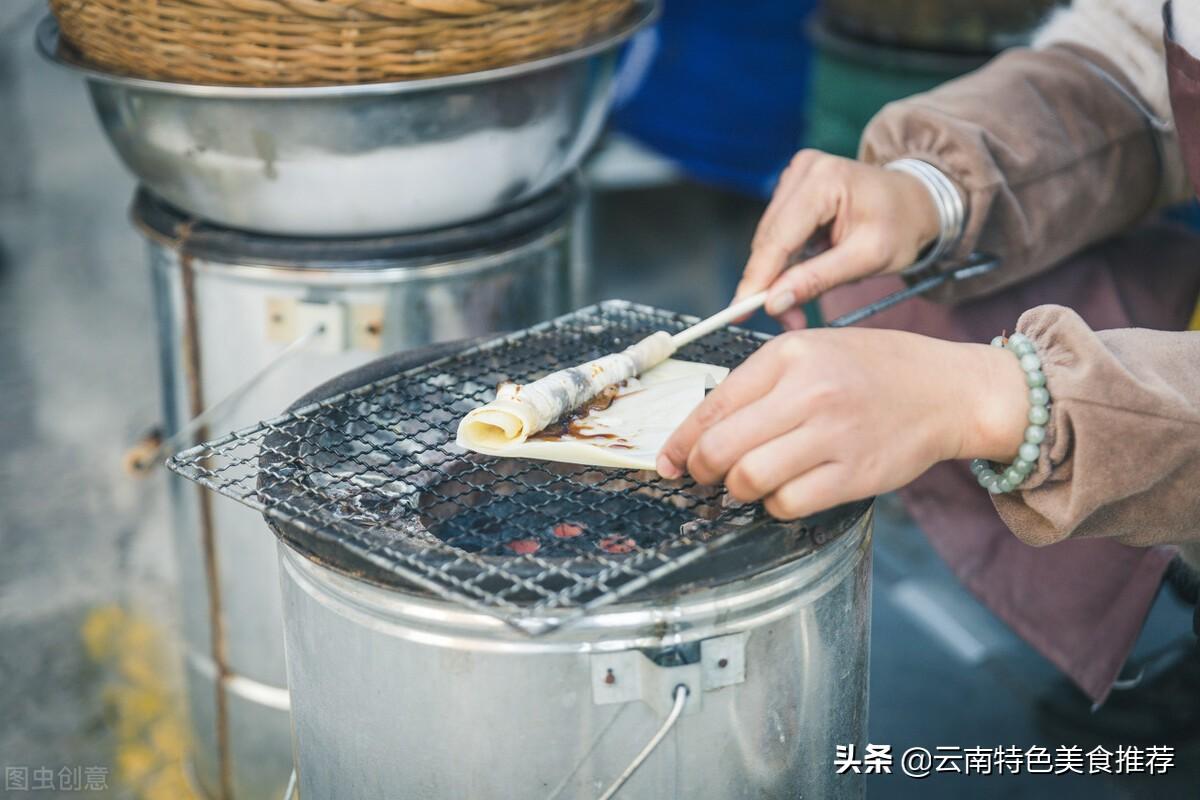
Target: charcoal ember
(617, 545)
(568, 530)
(523, 547)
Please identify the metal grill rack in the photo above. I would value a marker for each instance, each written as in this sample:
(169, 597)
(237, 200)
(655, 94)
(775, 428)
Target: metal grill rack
(374, 474)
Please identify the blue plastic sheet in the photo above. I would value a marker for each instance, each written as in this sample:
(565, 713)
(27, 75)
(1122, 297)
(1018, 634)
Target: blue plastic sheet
(720, 89)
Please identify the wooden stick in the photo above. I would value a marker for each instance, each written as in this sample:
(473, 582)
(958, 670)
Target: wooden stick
(719, 320)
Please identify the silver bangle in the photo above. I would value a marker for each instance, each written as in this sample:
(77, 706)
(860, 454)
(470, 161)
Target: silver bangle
(951, 210)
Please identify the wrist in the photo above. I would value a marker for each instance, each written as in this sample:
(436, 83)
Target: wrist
(996, 404)
(923, 219)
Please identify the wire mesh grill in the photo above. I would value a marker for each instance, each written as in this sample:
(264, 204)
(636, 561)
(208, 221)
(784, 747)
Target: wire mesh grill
(374, 474)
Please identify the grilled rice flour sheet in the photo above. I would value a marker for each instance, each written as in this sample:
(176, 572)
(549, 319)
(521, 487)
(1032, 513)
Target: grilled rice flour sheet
(605, 413)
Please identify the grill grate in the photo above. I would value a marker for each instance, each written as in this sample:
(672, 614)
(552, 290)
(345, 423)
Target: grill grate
(374, 474)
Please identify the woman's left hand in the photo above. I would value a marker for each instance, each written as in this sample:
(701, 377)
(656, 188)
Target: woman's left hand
(822, 417)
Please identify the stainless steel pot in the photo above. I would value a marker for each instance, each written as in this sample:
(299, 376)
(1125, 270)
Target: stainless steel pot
(363, 159)
(244, 300)
(398, 695)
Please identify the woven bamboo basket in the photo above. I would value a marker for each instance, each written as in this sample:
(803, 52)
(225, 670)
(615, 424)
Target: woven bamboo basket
(324, 42)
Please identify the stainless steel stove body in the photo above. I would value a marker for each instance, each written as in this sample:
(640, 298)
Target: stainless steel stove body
(399, 695)
(284, 315)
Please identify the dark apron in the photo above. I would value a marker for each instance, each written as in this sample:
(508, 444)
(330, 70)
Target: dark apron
(1183, 77)
(1183, 74)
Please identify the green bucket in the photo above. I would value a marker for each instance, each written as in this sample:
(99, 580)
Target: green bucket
(854, 79)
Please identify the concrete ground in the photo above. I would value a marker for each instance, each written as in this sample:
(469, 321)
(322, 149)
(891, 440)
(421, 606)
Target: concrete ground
(78, 380)
(87, 656)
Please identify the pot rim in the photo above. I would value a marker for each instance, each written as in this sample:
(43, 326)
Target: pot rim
(458, 266)
(48, 43)
(422, 256)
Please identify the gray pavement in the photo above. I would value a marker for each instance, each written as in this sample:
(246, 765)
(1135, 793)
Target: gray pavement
(77, 378)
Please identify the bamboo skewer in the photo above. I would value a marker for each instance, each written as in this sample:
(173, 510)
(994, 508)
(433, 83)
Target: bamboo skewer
(719, 320)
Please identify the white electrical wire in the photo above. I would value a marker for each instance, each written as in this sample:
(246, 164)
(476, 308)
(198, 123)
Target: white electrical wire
(290, 792)
(681, 694)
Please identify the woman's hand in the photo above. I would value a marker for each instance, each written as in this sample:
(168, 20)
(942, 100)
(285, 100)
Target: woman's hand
(878, 221)
(822, 417)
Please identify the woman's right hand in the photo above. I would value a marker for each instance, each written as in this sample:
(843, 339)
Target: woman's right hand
(878, 221)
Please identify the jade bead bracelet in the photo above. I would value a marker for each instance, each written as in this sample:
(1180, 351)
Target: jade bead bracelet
(998, 479)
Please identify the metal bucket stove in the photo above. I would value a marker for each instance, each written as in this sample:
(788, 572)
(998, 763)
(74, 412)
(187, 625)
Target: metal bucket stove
(249, 322)
(460, 192)
(464, 626)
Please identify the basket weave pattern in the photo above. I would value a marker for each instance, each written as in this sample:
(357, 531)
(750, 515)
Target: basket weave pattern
(322, 42)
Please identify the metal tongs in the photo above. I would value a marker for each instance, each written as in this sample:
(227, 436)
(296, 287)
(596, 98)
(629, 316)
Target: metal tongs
(976, 264)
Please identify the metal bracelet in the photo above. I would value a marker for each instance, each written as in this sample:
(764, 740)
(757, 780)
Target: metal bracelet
(951, 209)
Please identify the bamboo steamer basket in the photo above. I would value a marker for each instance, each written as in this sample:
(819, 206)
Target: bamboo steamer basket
(324, 42)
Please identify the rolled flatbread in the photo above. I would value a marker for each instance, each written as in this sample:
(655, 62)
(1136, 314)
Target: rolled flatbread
(628, 432)
(521, 410)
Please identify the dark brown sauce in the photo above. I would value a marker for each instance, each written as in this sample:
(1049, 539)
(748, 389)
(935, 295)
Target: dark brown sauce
(574, 424)
(579, 429)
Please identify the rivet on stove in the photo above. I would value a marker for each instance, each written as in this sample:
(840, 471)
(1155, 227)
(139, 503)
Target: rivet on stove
(723, 663)
(609, 678)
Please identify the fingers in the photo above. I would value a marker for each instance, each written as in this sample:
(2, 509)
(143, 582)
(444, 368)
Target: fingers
(764, 468)
(777, 244)
(794, 319)
(876, 220)
(743, 386)
(845, 262)
(797, 210)
(789, 181)
(822, 487)
(730, 440)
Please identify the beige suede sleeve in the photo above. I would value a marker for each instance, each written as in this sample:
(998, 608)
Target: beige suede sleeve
(1049, 154)
(1122, 453)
